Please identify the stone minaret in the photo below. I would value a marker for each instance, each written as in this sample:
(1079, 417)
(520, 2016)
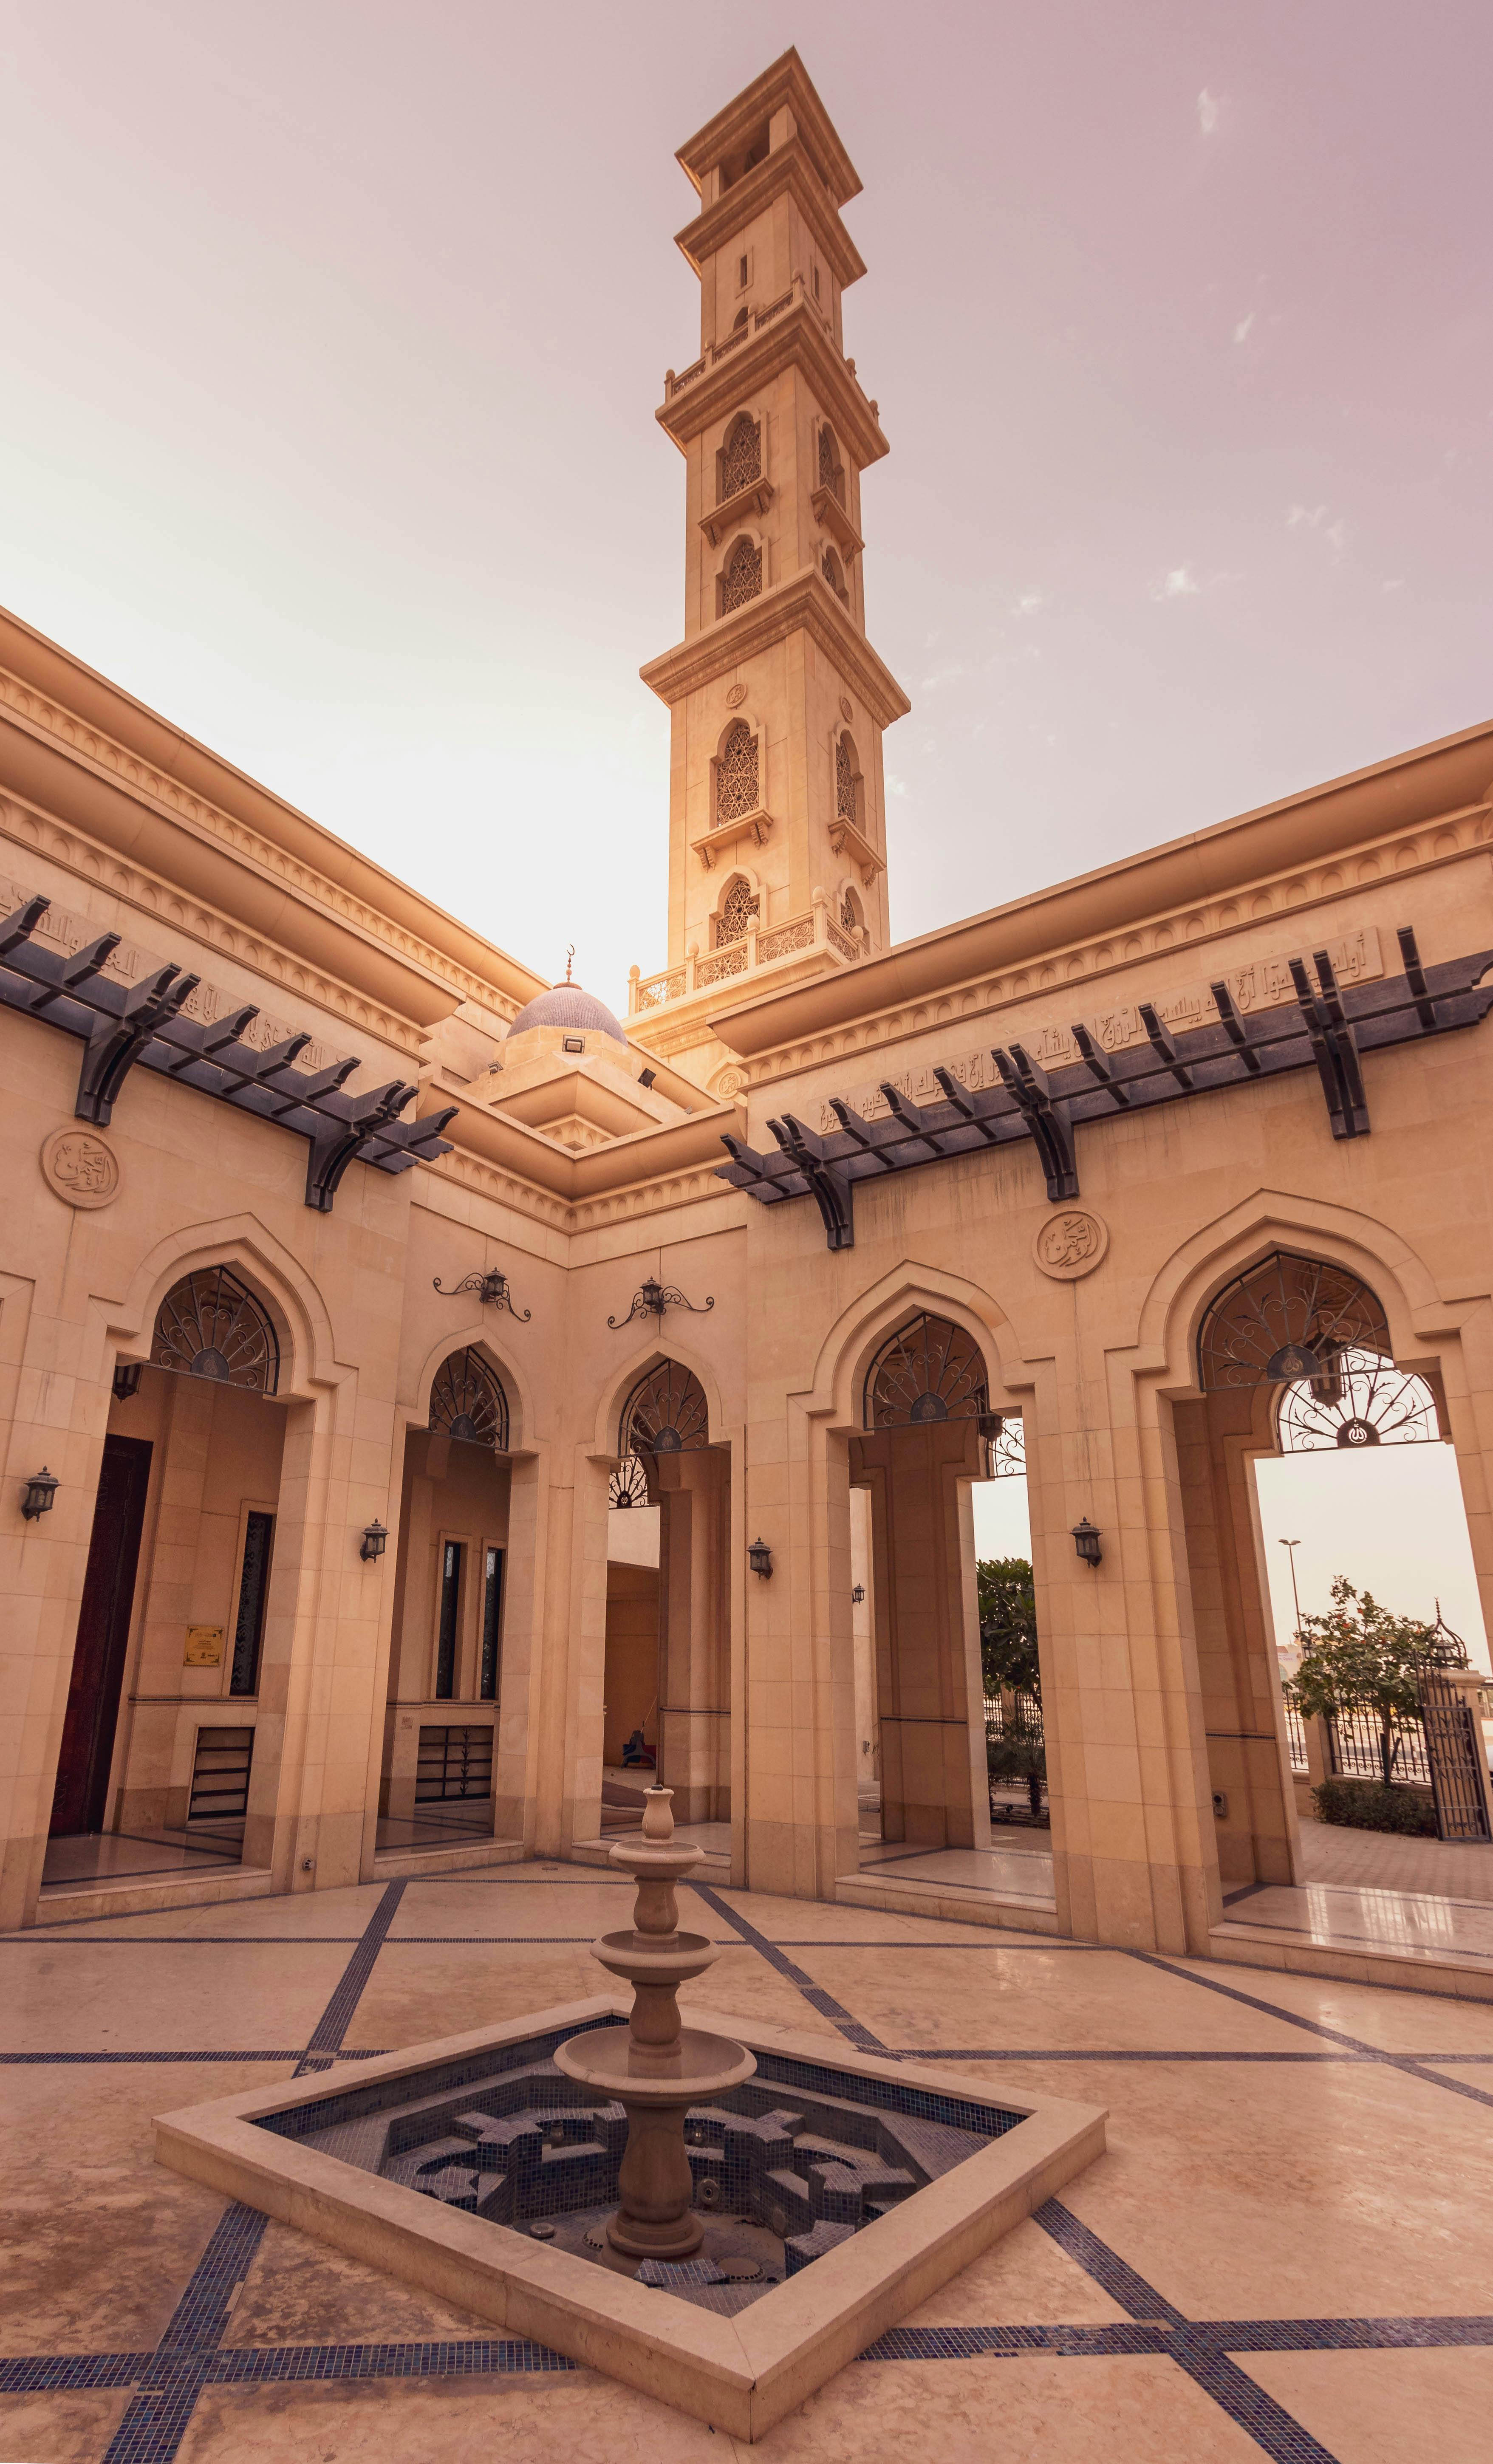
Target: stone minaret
(778, 844)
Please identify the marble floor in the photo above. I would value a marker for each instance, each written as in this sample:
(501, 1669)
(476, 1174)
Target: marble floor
(80, 1860)
(1287, 2250)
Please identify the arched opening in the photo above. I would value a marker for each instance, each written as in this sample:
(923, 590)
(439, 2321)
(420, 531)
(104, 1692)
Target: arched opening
(738, 464)
(852, 915)
(739, 913)
(159, 1732)
(921, 1744)
(848, 801)
(738, 774)
(1313, 1456)
(741, 577)
(833, 572)
(445, 1648)
(668, 1670)
(831, 470)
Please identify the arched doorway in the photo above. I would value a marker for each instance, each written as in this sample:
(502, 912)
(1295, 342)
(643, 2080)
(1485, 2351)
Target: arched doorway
(1301, 1438)
(667, 1674)
(158, 1739)
(925, 1427)
(446, 1647)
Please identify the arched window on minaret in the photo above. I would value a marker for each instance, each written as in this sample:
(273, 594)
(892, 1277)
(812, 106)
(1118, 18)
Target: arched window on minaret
(831, 470)
(848, 783)
(850, 916)
(834, 573)
(737, 788)
(740, 458)
(741, 576)
(739, 910)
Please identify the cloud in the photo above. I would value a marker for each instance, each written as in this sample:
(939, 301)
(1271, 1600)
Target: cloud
(1029, 599)
(1179, 584)
(1207, 112)
(895, 786)
(942, 676)
(1242, 329)
(1314, 517)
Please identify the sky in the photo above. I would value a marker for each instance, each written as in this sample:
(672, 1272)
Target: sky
(335, 329)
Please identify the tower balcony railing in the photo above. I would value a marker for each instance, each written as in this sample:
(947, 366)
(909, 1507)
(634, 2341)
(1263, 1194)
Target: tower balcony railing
(768, 946)
(676, 382)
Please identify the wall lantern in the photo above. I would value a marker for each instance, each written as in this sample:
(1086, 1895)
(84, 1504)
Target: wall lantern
(374, 1541)
(760, 1557)
(859, 1594)
(126, 1381)
(39, 1494)
(1085, 1540)
(652, 1298)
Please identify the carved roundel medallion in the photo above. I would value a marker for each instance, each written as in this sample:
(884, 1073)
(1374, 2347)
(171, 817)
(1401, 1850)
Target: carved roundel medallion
(81, 1168)
(1070, 1244)
(736, 696)
(846, 711)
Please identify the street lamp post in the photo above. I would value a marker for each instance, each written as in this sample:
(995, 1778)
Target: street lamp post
(1293, 1545)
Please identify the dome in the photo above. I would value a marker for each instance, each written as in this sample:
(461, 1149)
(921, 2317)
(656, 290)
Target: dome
(567, 1005)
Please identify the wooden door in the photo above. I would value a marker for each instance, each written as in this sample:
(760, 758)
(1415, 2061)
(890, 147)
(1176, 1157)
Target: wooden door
(93, 1700)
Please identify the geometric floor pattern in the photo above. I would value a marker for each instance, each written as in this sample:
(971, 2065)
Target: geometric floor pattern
(1287, 2250)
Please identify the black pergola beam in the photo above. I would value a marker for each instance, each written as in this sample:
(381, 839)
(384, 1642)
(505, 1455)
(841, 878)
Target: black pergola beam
(122, 1026)
(1326, 1026)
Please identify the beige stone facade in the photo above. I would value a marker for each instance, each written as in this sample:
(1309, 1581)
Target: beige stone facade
(579, 1163)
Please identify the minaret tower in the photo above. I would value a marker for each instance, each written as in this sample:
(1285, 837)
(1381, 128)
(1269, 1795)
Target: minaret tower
(778, 842)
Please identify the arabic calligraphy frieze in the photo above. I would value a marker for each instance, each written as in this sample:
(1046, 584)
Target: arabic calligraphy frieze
(1264, 983)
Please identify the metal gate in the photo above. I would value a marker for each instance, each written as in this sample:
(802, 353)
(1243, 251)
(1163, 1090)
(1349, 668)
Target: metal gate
(454, 1762)
(1453, 1749)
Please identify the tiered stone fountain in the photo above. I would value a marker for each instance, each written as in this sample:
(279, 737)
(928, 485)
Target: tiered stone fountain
(655, 2067)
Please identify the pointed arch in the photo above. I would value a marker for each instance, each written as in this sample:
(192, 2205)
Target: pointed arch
(830, 467)
(211, 1325)
(849, 785)
(277, 1279)
(738, 912)
(741, 577)
(737, 782)
(468, 1400)
(738, 464)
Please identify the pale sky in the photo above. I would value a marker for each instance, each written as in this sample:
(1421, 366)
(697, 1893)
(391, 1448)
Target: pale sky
(333, 332)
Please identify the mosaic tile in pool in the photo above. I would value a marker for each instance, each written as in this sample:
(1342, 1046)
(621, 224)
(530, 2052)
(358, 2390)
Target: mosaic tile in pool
(786, 2166)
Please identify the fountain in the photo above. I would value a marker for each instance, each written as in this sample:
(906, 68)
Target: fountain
(655, 2067)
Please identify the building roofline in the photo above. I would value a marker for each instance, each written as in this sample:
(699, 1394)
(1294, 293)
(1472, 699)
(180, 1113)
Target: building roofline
(785, 79)
(1409, 789)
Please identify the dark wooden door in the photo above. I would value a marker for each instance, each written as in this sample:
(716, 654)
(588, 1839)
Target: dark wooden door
(93, 1700)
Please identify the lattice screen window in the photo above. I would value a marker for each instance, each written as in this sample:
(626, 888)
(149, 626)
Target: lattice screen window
(847, 915)
(847, 801)
(739, 910)
(833, 573)
(830, 474)
(742, 577)
(741, 457)
(736, 774)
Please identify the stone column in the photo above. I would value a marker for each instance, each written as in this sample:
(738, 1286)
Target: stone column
(695, 1673)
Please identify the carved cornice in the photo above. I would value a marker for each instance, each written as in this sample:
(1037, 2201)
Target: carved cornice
(710, 844)
(831, 515)
(797, 336)
(845, 839)
(1065, 970)
(788, 170)
(721, 517)
(785, 80)
(803, 603)
(92, 750)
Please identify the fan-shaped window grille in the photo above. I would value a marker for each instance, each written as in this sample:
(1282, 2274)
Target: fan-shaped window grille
(210, 1324)
(467, 1400)
(849, 911)
(928, 1371)
(1364, 1401)
(1008, 1449)
(741, 457)
(1289, 1318)
(739, 913)
(741, 577)
(847, 801)
(628, 1485)
(735, 774)
(666, 1413)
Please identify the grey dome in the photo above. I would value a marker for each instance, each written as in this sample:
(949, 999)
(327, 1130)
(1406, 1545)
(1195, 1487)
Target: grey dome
(567, 1005)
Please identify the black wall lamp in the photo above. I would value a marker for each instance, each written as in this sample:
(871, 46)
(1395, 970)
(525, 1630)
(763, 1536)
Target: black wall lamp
(760, 1557)
(375, 1540)
(1085, 1540)
(652, 1298)
(126, 1381)
(858, 1594)
(492, 1291)
(39, 1494)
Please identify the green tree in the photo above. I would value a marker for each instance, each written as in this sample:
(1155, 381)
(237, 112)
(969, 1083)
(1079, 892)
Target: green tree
(1361, 1653)
(1008, 1626)
(1009, 1663)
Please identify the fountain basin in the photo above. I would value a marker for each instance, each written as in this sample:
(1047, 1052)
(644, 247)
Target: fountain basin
(611, 2064)
(644, 1960)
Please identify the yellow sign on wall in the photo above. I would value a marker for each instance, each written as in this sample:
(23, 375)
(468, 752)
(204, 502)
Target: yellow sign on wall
(204, 1647)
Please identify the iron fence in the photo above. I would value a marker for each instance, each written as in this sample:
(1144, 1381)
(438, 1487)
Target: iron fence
(1024, 1719)
(1296, 1738)
(1354, 1745)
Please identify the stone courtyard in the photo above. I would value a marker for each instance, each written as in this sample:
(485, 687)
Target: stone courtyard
(1287, 2249)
